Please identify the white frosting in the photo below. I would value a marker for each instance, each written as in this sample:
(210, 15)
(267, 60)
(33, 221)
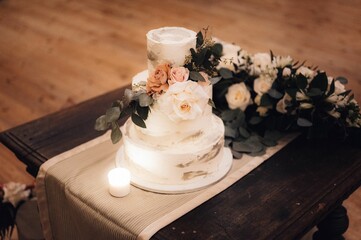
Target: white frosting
(169, 44)
(182, 159)
(169, 152)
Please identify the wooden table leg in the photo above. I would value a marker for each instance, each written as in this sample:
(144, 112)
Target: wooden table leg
(333, 226)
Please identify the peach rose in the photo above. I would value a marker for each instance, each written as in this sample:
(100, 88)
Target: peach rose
(178, 74)
(158, 80)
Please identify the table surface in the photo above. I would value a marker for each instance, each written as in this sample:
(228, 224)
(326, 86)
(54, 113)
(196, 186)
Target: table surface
(283, 198)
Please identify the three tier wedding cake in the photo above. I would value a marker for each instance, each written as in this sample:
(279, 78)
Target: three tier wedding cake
(180, 148)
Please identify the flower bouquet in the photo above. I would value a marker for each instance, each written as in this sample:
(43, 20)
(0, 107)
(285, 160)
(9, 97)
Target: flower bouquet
(257, 96)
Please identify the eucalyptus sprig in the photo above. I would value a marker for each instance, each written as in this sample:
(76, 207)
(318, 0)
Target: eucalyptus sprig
(204, 58)
(134, 103)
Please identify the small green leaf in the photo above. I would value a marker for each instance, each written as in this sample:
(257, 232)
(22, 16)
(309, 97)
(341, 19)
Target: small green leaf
(255, 120)
(200, 39)
(196, 76)
(242, 147)
(145, 100)
(274, 93)
(226, 73)
(143, 112)
(314, 92)
(269, 142)
(211, 103)
(215, 80)
(229, 115)
(230, 132)
(266, 101)
(118, 104)
(301, 81)
(303, 122)
(116, 134)
(243, 132)
(112, 114)
(101, 124)
(137, 120)
(320, 81)
(342, 80)
(237, 155)
(201, 56)
(217, 49)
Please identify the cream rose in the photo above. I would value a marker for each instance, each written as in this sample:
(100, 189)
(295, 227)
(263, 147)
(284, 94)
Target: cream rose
(305, 71)
(281, 62)
(286, 72)
(262, 84)
(158, 80)
(283, 103)
(184, 101)
(238, 96)
(178, 74)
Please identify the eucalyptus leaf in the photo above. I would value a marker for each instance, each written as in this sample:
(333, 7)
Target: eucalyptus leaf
(237, 155)
(255, 120)
(215, 80)
(217, 49)
(137, 120)
(200, 39)
(303, 122)
(273, 134)
(230, 132)
(112, 114)
(274, 93)
(211, 103)
(342, 80)
(226, 73)
(291, 92)
(314, 92)
(128, 95)
(266, 101)
(269, 142)
(196, 76)
(320, 81)
(143, 112)
(229, 114)
(145, 100)
(242, 147)
(243, 132)
(201, 56)
(116, 134)
(301, 81)
(118, 104)
(101, 124)
(227, 141)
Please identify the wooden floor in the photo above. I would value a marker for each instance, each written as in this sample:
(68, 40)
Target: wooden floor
(54, 54)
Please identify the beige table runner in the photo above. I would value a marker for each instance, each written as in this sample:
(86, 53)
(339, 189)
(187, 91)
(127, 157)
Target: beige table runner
(74, 202)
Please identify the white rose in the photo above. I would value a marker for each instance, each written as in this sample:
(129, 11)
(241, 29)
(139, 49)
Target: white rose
(286, 72)
(305, 71)
(339, 87)
(229, 56)
(15, 193)
(283, 103)
(262, 111)
(184, 101)
(238, 96)
(281, 62)
(261, 63)
(262, 84)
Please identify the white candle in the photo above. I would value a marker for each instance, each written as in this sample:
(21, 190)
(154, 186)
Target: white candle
(169, 44)
(119, 182)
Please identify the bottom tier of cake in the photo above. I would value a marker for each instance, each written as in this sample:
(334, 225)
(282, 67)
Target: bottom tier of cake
(191, 164)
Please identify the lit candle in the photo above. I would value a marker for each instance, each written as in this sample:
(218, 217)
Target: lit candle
(119, 182)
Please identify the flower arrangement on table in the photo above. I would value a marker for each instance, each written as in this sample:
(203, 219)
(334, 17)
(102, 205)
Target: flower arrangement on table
(11, 196)
(257, 96)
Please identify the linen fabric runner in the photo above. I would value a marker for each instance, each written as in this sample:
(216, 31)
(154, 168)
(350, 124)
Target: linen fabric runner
(74, 202)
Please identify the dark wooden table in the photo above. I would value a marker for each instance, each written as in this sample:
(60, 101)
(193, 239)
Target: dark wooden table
(301, 186)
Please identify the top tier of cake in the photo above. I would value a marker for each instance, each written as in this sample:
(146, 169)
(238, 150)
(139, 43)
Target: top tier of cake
(170, 44)
(168, 114)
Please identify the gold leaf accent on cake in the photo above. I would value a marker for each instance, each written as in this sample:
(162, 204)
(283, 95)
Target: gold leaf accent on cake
(212, 153)
(152, 56)
(183, 165)
(193, 136)
(193, 174)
